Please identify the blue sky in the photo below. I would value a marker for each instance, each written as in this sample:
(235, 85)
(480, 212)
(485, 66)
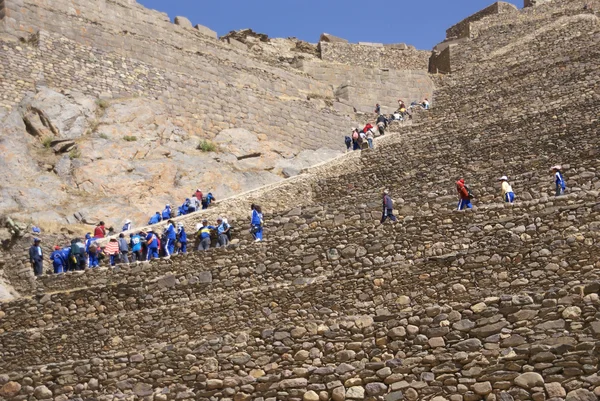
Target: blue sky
(421, 23)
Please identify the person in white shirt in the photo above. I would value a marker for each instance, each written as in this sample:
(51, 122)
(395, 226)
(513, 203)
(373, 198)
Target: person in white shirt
(507, 192)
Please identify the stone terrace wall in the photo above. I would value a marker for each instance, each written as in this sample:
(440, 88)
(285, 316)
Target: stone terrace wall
(375, 55)
(363, 87)
(463, 28)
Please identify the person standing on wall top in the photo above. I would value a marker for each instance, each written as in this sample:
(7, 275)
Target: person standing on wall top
(127, 225)
(123, 248)
(256, 223)
(92, 249)
(166, 214)
(182, 238)
(222, 232)
(155, 219)
(204, 234)
(136, 247)
(152, 245)
(100, 230)
(559, 180)
(388, 208)
(507, 192)
(171, 235)
(464, 195)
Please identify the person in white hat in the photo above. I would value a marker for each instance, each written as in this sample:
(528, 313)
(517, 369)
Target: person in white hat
(559, 180)
(127, 225)
(507, 192)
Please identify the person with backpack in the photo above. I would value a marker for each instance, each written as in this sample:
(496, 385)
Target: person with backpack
(207, 200)
(370, 137)
(204, 234)
(222, 232)
(152, 245)
(155, 219)
(126, 225)
(181, 238)
(256, 223)
(100, 230)
(59, 262)
(171, 237)
(559, 180)
(388, 208)
(123, 249)
(135, 241)
(348, 142)
(166, 214)
(112, 250)
(464, 195)
(507, 192)
(92, 249)
(77, 256)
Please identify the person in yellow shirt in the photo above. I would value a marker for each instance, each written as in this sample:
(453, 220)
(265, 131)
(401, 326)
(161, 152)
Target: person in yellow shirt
(507, 193)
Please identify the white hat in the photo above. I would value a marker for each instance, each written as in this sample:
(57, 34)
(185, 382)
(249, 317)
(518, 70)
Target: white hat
(127, 221)
(503, 178)
(557, 167)
(385, 191)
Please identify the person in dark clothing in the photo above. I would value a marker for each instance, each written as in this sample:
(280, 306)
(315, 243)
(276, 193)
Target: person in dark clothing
(123, 248)
(388, 208)
(77, 260)
(36, 257)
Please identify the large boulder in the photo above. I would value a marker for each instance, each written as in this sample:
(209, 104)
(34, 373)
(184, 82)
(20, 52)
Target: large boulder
(240, 142)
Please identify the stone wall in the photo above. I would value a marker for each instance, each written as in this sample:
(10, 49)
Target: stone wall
(463, 28)
(363, 87)
(375, 55)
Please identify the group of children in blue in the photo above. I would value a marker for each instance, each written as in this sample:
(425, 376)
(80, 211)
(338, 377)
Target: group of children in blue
(140, 246)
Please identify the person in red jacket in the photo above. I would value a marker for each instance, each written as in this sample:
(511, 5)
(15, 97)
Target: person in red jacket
(100, 230)
(463, 195)
(199, 195)
(367, 127)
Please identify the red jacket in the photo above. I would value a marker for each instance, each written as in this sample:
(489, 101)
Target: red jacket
(99, 232)
(199, 195)
(462, 189)
(367, 127)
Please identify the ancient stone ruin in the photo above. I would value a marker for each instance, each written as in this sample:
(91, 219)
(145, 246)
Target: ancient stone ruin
(497, 303)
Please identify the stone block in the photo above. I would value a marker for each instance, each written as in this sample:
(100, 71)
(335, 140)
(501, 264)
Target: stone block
(183, 22)
(370, 44)
(237, 44)
(206, 31)
(534, 3)
(325, 37)
(398, 46)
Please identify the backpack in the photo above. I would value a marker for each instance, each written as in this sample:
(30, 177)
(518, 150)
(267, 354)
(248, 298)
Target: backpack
(355, 135)
(471, 196)
(93, 248)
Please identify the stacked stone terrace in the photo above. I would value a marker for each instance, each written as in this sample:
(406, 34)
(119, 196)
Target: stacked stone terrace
(499, 303)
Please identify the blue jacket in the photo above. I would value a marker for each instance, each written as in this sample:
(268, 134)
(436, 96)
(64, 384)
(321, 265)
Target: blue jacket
(88, 242)
(256, 218)
(157, 218)
(560, 180)
(136, 243)
(205, 231)
(127, 227)
(182, 235)
(152, 241)
(166, 214)
(171, 233)
(60, 257)
(222, 228)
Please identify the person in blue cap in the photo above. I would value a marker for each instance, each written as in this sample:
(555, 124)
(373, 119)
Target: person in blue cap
(166, 214)
(171, 235)
(155, 219)
(91, 248)
(36, 257)
(152, 245)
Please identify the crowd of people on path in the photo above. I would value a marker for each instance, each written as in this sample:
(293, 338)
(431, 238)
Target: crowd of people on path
(139, 246)
(465, 195)
(360, 139)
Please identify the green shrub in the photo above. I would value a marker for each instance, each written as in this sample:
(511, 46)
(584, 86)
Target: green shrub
(103, 104)
(75, 154)
(130, 138)
(206, 146)
(47, 141)
(103, 136)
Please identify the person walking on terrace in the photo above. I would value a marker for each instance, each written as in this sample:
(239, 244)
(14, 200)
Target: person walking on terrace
(181, 238)
(155, 219)
(256, 223)
(92, 249)
(507, 192)
(204, 233)
(127, 225)
(166, 213)
(100, 230)
(222, 232)
(388, 208)
(136, 247)
(171, 235)
(60, 259)
(123, 249)
(36, 257)
(464, 195)
(152, 245)
(559, 180)
(112, 250)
